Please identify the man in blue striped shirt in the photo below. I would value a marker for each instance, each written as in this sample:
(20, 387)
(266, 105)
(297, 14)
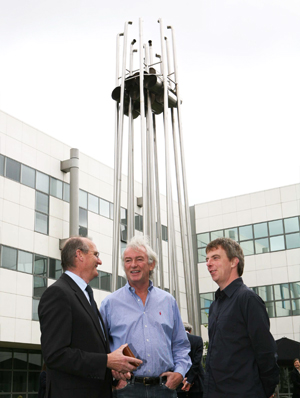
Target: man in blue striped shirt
(148, 319)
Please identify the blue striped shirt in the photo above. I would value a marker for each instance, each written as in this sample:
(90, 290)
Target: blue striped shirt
(154, 332)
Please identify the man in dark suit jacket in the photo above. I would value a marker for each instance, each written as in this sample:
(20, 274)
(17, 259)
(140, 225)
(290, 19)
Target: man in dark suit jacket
(192, 385)
(295, 376)
(74, 342)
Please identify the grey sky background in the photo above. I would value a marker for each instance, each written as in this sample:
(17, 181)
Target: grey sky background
(239, 73)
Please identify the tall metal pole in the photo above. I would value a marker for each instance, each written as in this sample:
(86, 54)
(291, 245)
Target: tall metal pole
(171, 236)
(192, 264)
(118, 162)
(130, 178)
(186, 268)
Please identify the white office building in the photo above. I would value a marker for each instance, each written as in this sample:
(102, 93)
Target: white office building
(34, 218)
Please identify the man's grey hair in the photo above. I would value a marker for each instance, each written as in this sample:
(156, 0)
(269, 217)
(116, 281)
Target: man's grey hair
(188, 326)
(138, 242)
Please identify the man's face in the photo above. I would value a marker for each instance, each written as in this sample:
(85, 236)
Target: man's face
(297, 365)
(136, 266)
(90, 262)
(220, 267)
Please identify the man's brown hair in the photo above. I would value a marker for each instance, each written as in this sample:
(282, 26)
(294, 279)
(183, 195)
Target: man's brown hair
(232, 249)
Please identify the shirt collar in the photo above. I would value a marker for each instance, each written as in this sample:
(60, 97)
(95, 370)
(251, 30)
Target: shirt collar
(79, 281)
(132, 289)
(229, 290)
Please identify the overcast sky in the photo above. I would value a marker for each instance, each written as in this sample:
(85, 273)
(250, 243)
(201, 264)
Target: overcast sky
(239, 73)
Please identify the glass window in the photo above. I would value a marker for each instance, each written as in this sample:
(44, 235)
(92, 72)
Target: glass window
(283, 308)
(40, 265)
(28, 176)
(295, 289)
(276, 227)
(42, 202)
(20, 360)
(105, 281)
(82, 231)
(231, 233)
(137, 222)
(8, 257)
(93, 203)
(33, 383)
(204, 316)
(35, 305)
(265, 292)
(296, 307)
(123, 233)
(83, 217)
(260, 230)
(164, 233)
(262, 245)
(216, 234)
(5, 382)
(34, 361)
(271, 309)
(248, 247)
(25, 262)
(5, 358)
(19, 381)
(104, 208)
(277, 243)
(66, 192)
(111, 211)
(2, 165)
(94, 283)
(291, 225)
(203, 239)
(83, 199)
(41, 223)
(55, 269)
(123, 216)
(39, 286)
(13, 169)
(201, 255)
(121, 281)
(206, 299)
(56, 188)
(292, 240)
(246, 232)
(42, 182)
(281, 291)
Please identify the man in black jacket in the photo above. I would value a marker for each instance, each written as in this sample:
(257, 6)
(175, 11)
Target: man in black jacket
(74, 341)
(192, 385)
(295, 376)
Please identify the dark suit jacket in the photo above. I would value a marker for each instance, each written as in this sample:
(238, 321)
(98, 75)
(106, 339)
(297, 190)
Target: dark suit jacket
(73, 345)
(295, 376)
(195, 374)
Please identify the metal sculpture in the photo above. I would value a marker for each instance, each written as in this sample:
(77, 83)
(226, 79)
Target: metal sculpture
(146, 93)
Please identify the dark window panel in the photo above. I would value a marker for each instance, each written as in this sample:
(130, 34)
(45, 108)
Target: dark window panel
(13, 169)
(56, 188)
(105, 281)
(83, 217)
(83, 232)
(55, 269)
(9, 258)
(40, 265)
(39, 286)
(2, 160)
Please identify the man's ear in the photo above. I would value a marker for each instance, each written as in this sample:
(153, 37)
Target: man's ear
(152, 265)
(234, 262)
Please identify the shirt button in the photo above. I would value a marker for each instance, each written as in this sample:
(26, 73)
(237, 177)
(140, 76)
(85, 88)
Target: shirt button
(147, 339)
(148, 355)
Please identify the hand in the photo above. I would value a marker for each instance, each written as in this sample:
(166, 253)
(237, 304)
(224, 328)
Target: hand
(121, 384)
(173, 379)
(186, 385)
(121, 363)
(121, 376)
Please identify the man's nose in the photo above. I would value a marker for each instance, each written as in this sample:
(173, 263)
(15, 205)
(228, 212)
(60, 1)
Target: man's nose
(99, 261)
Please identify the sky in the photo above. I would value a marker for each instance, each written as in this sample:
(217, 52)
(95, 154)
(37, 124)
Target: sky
(238, 71)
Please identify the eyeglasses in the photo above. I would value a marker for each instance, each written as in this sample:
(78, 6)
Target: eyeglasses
(96, 254)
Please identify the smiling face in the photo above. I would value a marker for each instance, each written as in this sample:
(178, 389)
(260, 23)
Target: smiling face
(297, 364)
(88, 262)
(222, 270)
(136, 267)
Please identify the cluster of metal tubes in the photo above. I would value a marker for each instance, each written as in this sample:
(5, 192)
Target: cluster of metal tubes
(146, 93)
